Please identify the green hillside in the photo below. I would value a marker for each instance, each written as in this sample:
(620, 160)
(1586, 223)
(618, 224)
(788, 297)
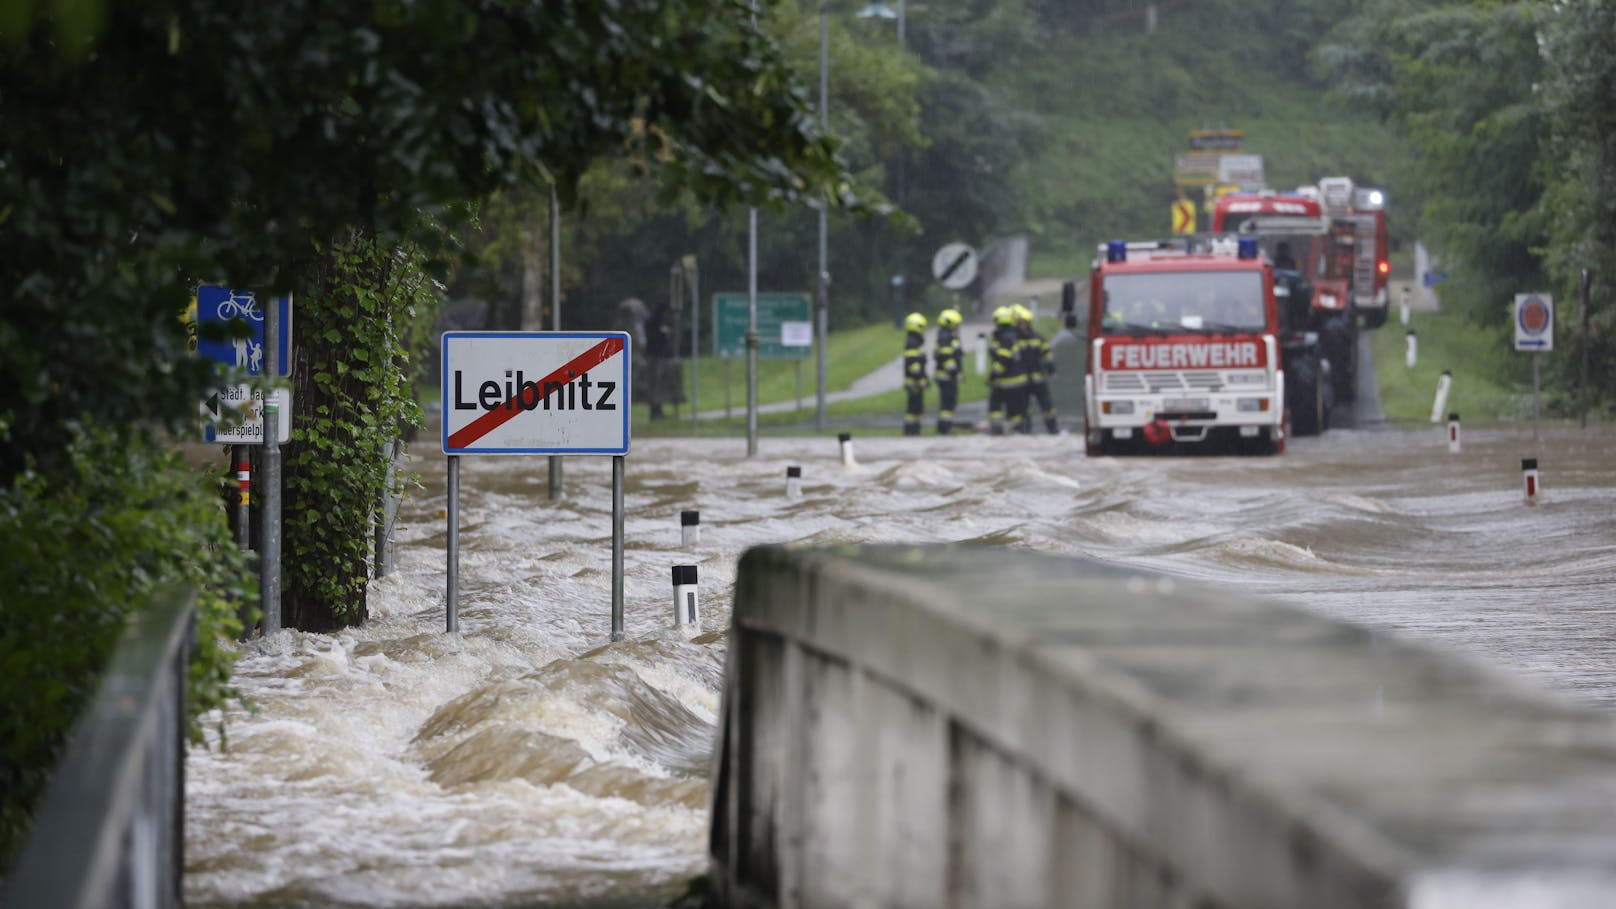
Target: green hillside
(1117, 105)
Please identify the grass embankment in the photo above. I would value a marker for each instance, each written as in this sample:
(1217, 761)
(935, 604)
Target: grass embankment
(1105, 167)
(1481, 361)
(851, 355)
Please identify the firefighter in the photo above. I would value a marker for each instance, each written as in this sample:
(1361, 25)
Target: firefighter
(914, 372)
(1037, 364)
(945, 354)
(1007, 400)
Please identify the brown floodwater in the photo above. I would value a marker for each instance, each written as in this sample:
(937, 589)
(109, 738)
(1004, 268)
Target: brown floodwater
(529, 761)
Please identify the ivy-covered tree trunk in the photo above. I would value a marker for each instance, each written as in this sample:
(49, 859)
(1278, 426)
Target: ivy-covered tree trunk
(351, 396)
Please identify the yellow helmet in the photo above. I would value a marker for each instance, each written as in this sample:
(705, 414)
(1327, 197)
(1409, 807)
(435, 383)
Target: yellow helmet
(1023, 314)
(1004, 316)
(914, 322)
(948, 318)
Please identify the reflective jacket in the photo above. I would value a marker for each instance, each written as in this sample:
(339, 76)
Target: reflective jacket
(1008, 370)
(1036, 361)
(945, 355)
(914, 361)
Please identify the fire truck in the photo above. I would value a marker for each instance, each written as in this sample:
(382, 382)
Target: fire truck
(1333, 237)
(1194, 344)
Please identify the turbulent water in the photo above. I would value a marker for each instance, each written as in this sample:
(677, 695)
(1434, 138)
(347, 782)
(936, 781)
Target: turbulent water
(528, 761)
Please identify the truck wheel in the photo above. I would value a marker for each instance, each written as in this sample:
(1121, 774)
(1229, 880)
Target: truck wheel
(1340, 348)
(1094, 445)
(1307, 404)
(1374, 318)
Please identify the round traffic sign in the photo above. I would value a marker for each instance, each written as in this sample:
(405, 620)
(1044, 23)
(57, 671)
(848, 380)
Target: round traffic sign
(1534, 315)
(954, 265)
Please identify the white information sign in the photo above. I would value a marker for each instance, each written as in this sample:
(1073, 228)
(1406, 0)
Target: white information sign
(1241, 169)
(536, 392)
(243, 407)
(1534, 322)
(796, 334)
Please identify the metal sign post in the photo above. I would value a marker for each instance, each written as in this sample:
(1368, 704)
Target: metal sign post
(555, 315)
(270, 569)
(1582, 314)
(617, 548)
(536, 392)
(751, 336)
(452, 596)
(694, 274)
(1537, 399)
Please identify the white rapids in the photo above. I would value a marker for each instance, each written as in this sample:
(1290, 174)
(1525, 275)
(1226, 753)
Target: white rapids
(529, 761)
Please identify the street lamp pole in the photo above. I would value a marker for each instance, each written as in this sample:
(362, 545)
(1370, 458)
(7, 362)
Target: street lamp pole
(822, 297)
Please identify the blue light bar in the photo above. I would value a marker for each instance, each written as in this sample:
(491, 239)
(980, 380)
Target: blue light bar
(1116, 251)
(1248, 248)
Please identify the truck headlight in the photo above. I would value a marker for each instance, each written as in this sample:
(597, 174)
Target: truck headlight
(1117, 407)
(1251, 405)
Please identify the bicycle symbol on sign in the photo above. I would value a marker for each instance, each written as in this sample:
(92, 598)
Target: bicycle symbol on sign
(242, 306)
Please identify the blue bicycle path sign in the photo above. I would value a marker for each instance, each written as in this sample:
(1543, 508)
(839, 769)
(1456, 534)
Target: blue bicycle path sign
(219, 306)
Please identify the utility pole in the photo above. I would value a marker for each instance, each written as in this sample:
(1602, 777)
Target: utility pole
(822, 294)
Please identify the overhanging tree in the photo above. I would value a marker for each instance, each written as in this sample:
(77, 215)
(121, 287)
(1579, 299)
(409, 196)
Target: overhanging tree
(185, 139)
(147, 146)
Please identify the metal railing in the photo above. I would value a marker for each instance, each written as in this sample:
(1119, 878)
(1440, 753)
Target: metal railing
(110, 830)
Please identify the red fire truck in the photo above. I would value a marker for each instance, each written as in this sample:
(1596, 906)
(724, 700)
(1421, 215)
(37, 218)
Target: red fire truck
(1189, 348)
(1333, 237)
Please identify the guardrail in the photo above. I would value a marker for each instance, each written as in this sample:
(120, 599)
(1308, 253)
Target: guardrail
(980, 727)
(110, 830)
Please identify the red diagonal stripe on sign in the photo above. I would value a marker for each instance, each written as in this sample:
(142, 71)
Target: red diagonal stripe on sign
(495, 418)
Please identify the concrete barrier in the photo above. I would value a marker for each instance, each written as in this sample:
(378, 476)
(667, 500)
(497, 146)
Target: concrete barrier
(973, 727)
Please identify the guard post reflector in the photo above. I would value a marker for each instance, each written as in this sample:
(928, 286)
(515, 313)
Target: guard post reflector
(1529, 473)
(1443, 383)
(686, 612)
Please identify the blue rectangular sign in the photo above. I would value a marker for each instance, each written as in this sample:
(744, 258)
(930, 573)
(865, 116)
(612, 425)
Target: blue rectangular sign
(220, 306)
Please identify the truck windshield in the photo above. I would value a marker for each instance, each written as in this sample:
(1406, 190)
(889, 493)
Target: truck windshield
(1209, 302)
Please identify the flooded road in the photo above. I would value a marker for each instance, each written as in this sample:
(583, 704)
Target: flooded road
(528, 761)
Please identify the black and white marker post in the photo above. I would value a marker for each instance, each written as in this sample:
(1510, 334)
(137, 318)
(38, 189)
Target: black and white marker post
(1529, 473)
(793, 482)
(1453, 433)
(1411, 350)
(1443, 383)
(845, 439)
(686, 612)
(690, 527)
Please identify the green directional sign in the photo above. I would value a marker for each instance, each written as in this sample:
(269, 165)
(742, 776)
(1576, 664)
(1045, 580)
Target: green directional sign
(784, 324)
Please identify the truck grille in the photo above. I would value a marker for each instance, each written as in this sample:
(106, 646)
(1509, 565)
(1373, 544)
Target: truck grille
(1163, 381)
